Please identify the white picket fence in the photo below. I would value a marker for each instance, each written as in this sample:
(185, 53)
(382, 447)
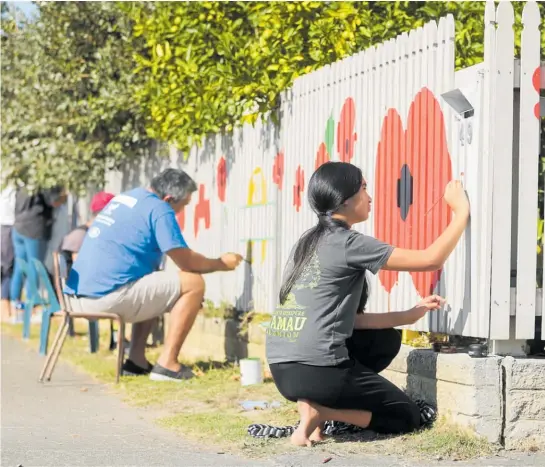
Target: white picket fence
(391, 111)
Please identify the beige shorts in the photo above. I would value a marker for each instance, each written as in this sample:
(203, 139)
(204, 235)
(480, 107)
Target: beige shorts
(138, 301)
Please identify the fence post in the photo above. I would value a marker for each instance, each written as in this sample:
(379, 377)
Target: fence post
(502, 144)
(525, 309)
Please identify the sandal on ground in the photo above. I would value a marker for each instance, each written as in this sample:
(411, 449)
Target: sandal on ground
(331, 428)
(428, 413)
(258, 430)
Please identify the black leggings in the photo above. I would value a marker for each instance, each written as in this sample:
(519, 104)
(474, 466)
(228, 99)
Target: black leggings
(355, 384)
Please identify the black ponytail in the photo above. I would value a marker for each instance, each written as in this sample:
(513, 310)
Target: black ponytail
(329, 187)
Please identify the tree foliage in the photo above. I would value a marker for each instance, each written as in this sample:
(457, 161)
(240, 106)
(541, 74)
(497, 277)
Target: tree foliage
(86, 85)
(211, 65)
(68, 111)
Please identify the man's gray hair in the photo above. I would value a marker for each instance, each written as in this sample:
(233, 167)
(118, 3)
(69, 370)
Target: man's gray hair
(173, 182)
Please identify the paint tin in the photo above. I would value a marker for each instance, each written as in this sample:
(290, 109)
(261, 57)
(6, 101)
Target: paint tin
(251, 371)
(477, 350)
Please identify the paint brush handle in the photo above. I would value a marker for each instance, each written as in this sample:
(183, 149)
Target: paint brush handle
(434, 204)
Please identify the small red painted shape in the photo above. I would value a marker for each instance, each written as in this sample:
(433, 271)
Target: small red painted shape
(321, 156)
(180, 217)
(278, 169)
(346, 138)
(298, 188)
(202, 211)
(222, 179)
(536, 80)
(412, 169)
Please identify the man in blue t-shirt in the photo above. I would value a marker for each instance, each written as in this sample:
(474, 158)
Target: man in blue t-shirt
(116, 270)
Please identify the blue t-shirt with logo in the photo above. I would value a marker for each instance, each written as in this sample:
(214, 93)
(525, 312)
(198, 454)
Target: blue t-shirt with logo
(125, 242)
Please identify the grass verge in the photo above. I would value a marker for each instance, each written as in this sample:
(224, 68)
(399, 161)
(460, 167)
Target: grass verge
(208, 408)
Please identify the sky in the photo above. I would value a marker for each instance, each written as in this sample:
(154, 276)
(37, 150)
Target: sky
(28, 8)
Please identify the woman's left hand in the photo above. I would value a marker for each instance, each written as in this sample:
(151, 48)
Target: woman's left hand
(431, 303)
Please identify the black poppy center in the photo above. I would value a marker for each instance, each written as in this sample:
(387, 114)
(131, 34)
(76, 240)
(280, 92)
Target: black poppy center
(405, 191)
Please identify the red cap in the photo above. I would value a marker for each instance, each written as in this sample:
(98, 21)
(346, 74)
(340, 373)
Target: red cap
(100, 200)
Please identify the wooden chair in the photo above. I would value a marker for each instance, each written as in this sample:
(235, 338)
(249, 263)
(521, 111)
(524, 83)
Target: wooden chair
(51, 307)
(67, 314)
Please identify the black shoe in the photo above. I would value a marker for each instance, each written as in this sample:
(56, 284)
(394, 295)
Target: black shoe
(132, 369)
(160, 373)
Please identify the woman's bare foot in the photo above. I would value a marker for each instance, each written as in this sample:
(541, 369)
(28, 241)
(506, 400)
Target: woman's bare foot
(310, 419)
(318, 434)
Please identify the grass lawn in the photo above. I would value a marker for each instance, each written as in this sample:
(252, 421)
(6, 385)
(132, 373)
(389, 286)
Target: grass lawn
(208, 408)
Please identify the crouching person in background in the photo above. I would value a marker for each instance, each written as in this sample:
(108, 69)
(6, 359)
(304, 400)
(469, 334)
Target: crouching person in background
(116, 270)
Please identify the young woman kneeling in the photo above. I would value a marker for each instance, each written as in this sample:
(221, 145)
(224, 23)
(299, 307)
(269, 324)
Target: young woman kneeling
(324, 352)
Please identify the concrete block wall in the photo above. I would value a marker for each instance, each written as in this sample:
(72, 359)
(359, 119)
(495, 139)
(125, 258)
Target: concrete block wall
(524, 402)
(468, 391)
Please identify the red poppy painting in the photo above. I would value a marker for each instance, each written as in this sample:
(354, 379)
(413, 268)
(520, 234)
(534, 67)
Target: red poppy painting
(278, 170)
(536, 80)
(413, 167)
(322, 156)
(298, 188)
(346, 137)
(202, 211)
(222, 179)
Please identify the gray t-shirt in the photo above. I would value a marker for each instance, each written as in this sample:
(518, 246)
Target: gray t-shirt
(312, 326)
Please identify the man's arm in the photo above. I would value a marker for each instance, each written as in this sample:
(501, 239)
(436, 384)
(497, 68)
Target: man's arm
(191, 261)
(72, 241)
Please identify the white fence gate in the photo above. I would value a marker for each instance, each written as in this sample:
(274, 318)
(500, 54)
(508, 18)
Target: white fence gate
(396, 111)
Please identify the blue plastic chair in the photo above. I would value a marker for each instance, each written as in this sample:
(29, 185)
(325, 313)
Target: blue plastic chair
(32, 297)
(51, 304)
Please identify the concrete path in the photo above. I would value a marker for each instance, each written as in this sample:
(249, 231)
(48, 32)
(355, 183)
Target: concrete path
(59, 424)
(73, 421)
